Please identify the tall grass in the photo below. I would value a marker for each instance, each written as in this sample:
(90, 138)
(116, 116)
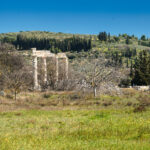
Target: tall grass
(75, 130)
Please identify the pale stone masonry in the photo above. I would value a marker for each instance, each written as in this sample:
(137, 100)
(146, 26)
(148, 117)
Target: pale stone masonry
(142, 88)
(44, 54)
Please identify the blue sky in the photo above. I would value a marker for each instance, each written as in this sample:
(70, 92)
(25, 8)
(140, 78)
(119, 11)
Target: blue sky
(76, 16)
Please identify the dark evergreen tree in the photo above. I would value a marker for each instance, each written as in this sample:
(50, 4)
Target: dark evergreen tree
(69, 44)
(143, 37)
(102, 36)
(131, 69)
(127, 40)
(116, 38)
(109, 37)
(141, 69)
(127, 63)
(120, 61)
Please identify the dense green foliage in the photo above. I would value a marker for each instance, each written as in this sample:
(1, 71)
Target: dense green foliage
(69, 44)
(144, 41)
(102, 36)
(141, 75)
(24, 41)
(143, 37)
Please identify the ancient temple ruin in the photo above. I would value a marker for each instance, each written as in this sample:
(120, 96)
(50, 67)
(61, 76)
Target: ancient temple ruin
(44, 54)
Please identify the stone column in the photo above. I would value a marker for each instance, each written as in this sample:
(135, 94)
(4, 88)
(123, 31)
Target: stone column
(45, 69)
(66, 67)
(35, 73)
(33, 50)
(57, 69)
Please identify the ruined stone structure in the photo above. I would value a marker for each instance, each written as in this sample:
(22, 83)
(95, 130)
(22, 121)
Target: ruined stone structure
(142, 88)
(44, 54)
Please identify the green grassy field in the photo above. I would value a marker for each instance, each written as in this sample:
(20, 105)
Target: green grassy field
(75, 130)
(71, 127)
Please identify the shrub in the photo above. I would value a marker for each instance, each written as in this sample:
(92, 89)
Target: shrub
(75, 97)
(144, 102)
(46, 95)
(107, 103)
(125, 82)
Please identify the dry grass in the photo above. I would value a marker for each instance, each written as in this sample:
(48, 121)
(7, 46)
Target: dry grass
(72, 100)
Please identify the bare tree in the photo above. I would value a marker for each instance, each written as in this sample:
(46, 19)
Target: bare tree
(51, 73)
(15, 73)
(6, 46)
(94, 72)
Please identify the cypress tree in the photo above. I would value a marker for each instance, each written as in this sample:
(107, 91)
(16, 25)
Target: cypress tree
(127, 40)
(141, 70)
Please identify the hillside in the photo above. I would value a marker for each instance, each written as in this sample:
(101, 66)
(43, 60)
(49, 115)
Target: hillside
(122, 48)
(96, 43)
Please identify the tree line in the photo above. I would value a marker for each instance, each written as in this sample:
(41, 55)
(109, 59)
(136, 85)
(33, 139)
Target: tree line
(106, 37)
(23, 42)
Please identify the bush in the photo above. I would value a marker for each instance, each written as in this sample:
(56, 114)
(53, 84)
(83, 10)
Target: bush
(144, 102)
(75, 97)
(125, 82)
(46, 95)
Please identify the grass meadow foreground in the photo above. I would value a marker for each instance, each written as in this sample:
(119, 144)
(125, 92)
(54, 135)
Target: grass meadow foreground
(52, 121)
